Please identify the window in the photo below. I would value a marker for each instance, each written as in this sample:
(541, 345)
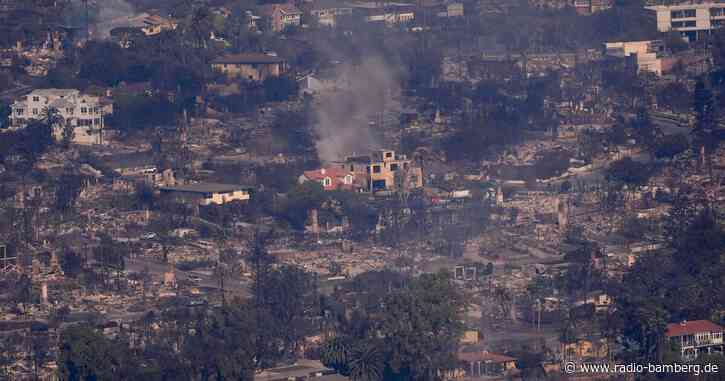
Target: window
(376, 169)
(84, 110)
(683, 13)
(69, 110)
(716, 12)
(388, 154)
(35, 111)
(393, 167)
(19, 111)
(36, 99)
(690, 24)
(327, 181)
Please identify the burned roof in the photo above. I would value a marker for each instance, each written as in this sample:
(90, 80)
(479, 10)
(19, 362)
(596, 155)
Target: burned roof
(484, 356)
(248, 58)
(364, 159)
(206, 188)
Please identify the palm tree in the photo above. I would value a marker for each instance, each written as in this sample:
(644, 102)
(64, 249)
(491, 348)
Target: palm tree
(52, 117)
(366, 363)
(335, 353)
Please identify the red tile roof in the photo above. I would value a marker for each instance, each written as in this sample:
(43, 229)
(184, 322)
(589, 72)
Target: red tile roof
(336, 175)
(268, 9)
(692, 327)
(484, 356)
(320, 174)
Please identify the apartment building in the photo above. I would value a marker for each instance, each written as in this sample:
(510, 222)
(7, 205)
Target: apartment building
(84, 112)
(692, 20)
(696, 337)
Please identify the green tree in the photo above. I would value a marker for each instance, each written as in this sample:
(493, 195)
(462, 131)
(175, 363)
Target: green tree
(67, 190)
(277, 89)
(674, 96)
(671, 145)
(336, 354)
(299, 201)
(628, 171)
(366, 362)
(86, 355)
(420, 327)
(222, 346)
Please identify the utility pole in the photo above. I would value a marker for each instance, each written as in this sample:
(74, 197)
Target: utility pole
(85, 5)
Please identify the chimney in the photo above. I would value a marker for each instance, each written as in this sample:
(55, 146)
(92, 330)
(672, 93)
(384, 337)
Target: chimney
(44, 293)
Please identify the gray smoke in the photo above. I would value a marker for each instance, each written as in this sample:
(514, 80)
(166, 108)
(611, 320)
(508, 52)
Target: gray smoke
(112, 14)
(348, 116)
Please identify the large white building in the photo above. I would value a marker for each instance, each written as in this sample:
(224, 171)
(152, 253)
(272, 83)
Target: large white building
(697, 337)
(647, 54)
(691, 20)
(85, 113)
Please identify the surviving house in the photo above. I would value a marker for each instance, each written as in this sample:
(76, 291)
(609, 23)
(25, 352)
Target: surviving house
(208, 193)
(645, 55)
(332, 178)
(385, 170)
(252, 66)
(327, 12)
(301, 370)
(392, 15)
(279, 17)
(695, 337)
(84, 112)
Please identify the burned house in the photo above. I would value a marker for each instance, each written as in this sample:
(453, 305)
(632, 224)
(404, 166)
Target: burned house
(207, 193)
(385, 170)
(251, 66)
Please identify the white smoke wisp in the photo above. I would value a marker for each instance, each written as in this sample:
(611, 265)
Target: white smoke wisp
(113, 14)
(344, 114)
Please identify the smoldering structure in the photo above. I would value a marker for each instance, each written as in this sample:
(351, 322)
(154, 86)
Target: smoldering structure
(349, 112)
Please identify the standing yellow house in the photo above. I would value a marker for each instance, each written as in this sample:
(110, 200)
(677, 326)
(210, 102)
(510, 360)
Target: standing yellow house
(207, 193)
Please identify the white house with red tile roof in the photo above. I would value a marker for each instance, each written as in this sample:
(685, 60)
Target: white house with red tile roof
(331, 178)
(696, 337)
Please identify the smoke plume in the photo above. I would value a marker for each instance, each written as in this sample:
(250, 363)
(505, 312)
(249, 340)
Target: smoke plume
(349, 113)
(110, 14)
